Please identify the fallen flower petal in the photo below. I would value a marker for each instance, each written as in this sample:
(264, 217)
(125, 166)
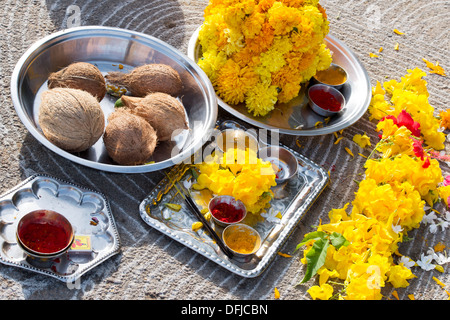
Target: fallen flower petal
(439, 282)
(435, 68)
(398, 32)
(362, 140)
(395, 294)
(338, 139)
(276, 293)
(349, 151)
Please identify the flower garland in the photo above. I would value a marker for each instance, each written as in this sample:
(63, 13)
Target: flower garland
(357, 247)
(258, 52)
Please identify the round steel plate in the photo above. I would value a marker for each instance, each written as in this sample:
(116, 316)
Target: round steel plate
(296, 117)
(108, 48)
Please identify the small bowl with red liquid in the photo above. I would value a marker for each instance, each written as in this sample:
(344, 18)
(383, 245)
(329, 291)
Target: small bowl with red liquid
(44, 234)
(325, 100)
(226, 210)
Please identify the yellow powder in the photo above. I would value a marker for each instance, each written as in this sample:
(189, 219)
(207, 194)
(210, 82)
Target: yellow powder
(242, 242)
(332, 76)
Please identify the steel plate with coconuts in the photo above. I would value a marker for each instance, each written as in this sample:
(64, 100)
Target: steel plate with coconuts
(90, 94)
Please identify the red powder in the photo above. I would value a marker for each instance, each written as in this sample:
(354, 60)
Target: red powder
(325, 100)
(227, 213)
(44, 237)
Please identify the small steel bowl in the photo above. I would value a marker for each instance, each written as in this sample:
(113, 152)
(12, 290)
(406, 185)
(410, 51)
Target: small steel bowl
(45, 217)
(236, 138)
(335, 92)
(237, 204)
(320, 76)
(284, 162)
(253, 235)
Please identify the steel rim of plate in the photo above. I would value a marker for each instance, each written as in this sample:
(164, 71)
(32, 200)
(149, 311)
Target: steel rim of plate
(192, 50)
(37, 47)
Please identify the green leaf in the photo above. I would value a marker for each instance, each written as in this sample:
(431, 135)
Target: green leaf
(315, 258)
(316, 235)
(118, 103)
(338, 240)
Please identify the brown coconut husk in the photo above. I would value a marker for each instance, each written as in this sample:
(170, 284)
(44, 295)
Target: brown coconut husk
(80, 75)
(129, 139)
(148, 78)
(162, 111)
(71, 119)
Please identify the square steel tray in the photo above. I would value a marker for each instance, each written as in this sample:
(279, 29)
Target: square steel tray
(79, 205)
(292, 200)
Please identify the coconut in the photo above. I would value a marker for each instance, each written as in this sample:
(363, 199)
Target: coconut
(129, 139)
(71, 119)
(80, 75)
(148, 78)
(162, 111)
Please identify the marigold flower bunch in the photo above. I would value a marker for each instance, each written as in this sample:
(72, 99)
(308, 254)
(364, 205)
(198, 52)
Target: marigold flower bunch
(401, 178)
(258, 52)
(241, 174)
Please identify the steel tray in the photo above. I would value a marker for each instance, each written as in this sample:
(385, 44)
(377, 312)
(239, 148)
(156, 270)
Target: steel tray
(292, 200)
(79, 205)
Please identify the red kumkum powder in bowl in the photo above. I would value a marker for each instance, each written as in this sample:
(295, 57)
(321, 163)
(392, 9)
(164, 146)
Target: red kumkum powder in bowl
(325, 100)
(227, 213)
(226, 210)
(44, 237)
(44, 232)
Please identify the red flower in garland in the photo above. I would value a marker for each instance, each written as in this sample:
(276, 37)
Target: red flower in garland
(420, 153)
(405, 119)
(418, 149)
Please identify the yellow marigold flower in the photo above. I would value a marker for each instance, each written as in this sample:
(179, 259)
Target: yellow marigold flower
(233, 82)
(323, 292)
(283, 19)
(278, 43)
(261, 99)
(362, 140)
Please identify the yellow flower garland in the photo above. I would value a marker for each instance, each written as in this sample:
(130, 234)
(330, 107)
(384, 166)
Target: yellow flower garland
(389, 201)
(258, 52)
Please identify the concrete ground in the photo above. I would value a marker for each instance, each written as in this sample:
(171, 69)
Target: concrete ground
(152, 265)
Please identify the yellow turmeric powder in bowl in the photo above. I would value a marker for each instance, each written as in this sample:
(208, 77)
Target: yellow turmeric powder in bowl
(334, 76)
(242, 239)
